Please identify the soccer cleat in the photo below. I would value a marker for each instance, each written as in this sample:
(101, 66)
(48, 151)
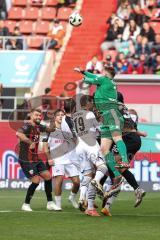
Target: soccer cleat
(52, 206)
(81, 205)
(26, 207)
(115, 189)
(98, 187)
(139, 193)
(122, 165)
(106, 212)
(73, 201)
(92, 213)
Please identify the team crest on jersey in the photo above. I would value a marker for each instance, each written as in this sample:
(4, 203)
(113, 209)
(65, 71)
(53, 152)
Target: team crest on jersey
(31, 171)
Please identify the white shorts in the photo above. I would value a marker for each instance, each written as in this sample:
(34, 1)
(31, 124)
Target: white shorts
(67, 170)
(89, 156)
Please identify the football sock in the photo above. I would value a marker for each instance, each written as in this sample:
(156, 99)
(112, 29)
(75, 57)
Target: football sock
(122, 150)
(91, 196)
(84, 187)
(101, 171)
(48, 190)
(72, 195)
(30, 192)
(58, 201)
(111, 163)
(111, 200)
(130, 179)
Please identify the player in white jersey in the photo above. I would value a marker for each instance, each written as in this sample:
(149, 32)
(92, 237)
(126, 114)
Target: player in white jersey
(59, 157)
(88, 152)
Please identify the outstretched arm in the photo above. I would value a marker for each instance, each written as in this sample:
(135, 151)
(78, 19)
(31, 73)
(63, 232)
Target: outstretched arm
(90, 77)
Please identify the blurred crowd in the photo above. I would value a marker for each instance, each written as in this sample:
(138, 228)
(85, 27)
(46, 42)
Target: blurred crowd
(132, 40)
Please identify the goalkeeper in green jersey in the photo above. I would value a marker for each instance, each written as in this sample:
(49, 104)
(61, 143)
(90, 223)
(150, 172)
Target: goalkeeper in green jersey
(105, 98)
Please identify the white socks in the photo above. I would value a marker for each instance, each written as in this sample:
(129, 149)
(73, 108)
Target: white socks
(58, 201)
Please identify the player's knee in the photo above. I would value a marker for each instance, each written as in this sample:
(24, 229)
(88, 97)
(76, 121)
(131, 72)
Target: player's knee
(104, 150)
(46, 175)
(103, 168)
(117, 138)
(35, 180)
(76, 181)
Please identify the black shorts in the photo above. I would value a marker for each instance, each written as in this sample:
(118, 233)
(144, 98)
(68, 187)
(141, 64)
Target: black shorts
(132, 142)
(32, 169)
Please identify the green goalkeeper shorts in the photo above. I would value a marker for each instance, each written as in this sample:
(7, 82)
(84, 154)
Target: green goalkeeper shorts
(112, 121)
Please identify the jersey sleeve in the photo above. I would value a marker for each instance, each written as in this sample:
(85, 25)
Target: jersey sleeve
(91, 78)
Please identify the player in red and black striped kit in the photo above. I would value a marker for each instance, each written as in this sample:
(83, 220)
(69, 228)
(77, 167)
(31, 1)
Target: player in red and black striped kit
(33, 167)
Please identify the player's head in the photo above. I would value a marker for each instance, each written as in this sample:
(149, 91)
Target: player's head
(36, 116)
(58, 115)
(120, 97)
(109, 71)
(69, 105)
(86, 102)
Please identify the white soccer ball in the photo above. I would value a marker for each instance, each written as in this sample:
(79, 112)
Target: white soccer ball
(75, 19)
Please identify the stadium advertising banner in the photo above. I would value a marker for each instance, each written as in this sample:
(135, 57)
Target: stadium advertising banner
(145, 167)
(20, 68)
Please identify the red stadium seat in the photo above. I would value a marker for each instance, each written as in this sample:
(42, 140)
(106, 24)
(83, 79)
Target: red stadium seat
(51, 3)
(10, 24)
(16, 13)
(48, 13)
(35, 42)
(32, 13)
(64, 13)
(26, 27)
(20, 3)
(42, 27)
(155, 26)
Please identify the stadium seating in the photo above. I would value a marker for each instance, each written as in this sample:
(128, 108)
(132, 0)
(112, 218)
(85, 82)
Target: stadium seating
(10, 24)
(48, 13)
(31, 13)
(26, 27)
(42, 27)
(51, 3)
(34, 42)
(16, 13)
(37, 3)
(20, 3)
(63, 13)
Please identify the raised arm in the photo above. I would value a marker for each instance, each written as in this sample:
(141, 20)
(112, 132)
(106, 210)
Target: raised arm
(90, 78)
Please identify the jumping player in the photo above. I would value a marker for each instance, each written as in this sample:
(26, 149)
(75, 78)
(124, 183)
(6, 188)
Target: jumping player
(105, 99)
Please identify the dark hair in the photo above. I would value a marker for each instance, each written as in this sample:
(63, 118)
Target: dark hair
(110, 69)
(47, 90)
(16, 28)
(58, 111)
(120, 97)
(36, 110)
(85, 99)
(69, 105)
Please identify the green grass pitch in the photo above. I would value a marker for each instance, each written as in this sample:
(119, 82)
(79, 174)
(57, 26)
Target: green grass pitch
(127, 223)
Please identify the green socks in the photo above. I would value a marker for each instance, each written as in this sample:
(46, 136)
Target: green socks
(122, 150)
(110, 161)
